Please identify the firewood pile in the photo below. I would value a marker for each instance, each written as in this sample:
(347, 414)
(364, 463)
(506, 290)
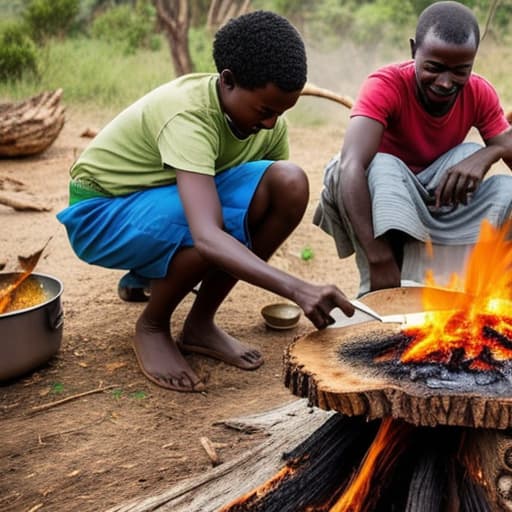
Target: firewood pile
(30, 126)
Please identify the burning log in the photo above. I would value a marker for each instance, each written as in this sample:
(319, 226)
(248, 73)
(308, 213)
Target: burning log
(454, 368)
(30, 126)
(339, 369)
(399, 467)
(404, 469)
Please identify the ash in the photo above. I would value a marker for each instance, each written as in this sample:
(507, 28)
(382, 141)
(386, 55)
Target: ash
(382, 357)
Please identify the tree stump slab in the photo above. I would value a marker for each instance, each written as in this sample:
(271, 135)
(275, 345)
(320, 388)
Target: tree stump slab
(338, 369)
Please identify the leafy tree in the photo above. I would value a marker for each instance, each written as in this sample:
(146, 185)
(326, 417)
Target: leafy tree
(132, 27)
(17, 52)
(46, 18)
(175, 16)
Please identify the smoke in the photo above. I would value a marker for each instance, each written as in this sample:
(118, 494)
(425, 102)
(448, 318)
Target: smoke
(342, 70)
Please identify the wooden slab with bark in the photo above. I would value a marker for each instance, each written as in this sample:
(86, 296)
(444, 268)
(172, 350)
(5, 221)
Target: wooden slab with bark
(286, 426)
(316, 368)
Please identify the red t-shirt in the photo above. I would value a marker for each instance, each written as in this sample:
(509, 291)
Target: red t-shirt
(411, 134)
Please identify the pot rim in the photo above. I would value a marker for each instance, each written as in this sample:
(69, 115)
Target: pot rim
(36, 306)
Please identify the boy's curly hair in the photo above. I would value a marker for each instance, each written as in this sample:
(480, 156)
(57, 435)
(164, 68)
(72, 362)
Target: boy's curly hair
(261, 47)
(451, 21)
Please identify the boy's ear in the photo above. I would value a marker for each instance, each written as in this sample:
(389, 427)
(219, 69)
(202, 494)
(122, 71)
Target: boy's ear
(227, 78)
(412, 44)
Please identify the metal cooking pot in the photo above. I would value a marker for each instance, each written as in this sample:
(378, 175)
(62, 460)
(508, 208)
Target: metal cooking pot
(30, 336)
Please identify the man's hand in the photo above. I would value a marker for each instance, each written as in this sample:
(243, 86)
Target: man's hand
(461, 180)
(457, 185)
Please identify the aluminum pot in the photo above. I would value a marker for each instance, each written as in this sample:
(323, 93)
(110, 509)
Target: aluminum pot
(30, 337)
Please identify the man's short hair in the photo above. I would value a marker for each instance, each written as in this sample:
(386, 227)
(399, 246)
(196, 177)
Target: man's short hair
(261, 47)
(452, 22)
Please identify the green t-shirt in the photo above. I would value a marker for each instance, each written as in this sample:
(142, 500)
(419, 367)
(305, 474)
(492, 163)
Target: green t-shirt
(179, 125)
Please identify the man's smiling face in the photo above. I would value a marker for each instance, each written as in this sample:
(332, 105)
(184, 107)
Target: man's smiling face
(442, 69)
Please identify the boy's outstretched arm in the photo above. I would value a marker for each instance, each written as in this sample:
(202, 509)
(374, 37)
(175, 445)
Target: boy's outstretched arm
(202, 207)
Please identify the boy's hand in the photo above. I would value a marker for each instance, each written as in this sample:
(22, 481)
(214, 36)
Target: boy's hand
(317, 302)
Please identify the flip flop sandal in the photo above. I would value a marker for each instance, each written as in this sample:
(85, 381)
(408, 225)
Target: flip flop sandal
(133, 288)
(204, 351)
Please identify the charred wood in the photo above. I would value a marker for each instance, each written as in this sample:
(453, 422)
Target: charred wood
(315, 472)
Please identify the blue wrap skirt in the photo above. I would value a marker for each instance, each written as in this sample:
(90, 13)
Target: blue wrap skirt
(142, 231)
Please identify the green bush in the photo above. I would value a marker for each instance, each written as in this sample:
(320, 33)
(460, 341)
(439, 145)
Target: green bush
(46, 18)
(132, 28)
(18, 55)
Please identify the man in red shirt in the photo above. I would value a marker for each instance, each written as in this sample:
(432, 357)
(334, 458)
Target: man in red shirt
(405, 174)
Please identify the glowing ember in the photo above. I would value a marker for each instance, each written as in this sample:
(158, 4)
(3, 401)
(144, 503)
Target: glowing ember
(476, 328)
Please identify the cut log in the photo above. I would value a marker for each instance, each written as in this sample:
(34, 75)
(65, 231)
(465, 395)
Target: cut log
(316, 369)
(400, 467)
(286, 427)
(30, 126)
(491, 453)
(336, 370)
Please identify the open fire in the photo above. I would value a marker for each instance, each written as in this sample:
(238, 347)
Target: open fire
(452, 372)
(392, 384)
(475, 327)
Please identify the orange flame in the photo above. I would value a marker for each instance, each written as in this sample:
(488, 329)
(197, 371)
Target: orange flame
(253, 496)
(478, 322)
(380, 457)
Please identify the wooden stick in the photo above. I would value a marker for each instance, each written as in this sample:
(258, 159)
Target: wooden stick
(210, 450)
(8, 182)
(36, 507)
(313, 90)
(20, 205)
(43, 407)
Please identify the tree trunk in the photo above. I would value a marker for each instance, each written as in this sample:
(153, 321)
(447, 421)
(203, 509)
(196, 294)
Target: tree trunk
(221, 11)
(174, 18)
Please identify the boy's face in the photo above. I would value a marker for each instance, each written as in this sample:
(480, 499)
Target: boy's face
(250, 110)
(442, 69)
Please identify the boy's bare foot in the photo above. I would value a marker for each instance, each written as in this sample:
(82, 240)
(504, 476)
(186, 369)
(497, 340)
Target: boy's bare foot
(161, 361)
(214, 342)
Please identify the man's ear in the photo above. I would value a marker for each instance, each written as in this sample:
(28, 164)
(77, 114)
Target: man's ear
(227, 79)
(412, 44)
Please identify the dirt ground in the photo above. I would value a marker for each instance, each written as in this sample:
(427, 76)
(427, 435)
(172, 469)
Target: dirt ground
(133, 439)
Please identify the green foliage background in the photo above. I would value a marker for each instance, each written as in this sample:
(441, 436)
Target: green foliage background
(107, 53)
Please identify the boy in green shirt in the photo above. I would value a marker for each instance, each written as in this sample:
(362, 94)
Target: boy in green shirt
(191, 184)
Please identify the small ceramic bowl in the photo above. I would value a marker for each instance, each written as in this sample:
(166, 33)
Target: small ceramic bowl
(281, 315)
